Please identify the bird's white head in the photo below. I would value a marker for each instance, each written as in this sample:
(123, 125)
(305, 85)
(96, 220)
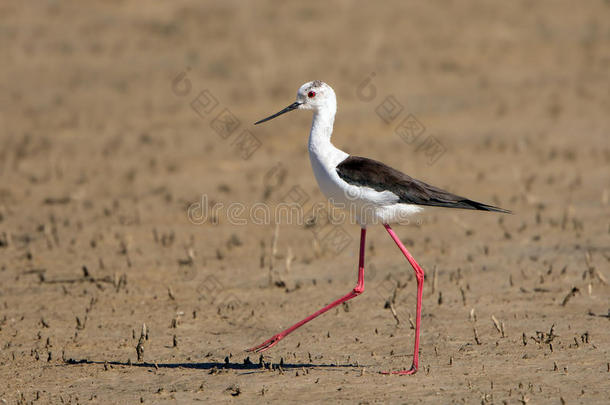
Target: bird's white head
(315, 95)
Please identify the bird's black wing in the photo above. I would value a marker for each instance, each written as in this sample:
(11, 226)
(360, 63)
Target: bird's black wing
(366, 172)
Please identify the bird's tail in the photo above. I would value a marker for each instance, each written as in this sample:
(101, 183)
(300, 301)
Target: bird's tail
(474, 205)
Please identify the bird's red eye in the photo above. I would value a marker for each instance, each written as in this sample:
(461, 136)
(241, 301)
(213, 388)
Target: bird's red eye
(311, 94)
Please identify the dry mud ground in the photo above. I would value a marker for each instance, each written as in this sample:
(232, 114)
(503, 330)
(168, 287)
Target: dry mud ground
(102, 154)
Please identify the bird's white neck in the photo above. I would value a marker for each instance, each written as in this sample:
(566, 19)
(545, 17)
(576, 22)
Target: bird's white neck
(321, 130)
(324, 156)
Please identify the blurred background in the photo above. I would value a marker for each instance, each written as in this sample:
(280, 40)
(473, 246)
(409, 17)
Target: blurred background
(119, 117)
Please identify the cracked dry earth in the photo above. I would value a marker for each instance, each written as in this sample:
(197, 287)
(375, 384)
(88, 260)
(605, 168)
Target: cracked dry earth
(111, 293)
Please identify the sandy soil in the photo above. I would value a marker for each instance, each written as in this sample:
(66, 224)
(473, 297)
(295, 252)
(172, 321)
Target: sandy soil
(111, 140)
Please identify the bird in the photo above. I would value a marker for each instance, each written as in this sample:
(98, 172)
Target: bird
(376, 193)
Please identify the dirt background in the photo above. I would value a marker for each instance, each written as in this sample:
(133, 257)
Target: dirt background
(102, 154)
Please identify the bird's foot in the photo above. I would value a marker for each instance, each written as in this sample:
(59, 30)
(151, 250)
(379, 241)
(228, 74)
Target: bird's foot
(267, 344)
(410, 371)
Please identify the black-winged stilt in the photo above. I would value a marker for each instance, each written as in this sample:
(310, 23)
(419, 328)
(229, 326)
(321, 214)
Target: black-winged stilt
(379, 193)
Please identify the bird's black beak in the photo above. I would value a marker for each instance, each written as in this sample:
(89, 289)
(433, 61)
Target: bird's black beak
(291, 107)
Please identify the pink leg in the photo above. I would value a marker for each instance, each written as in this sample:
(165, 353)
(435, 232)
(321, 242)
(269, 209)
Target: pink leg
(354, 293)
(419, 275)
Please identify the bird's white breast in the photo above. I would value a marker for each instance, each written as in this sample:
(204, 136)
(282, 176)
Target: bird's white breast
(324, 165)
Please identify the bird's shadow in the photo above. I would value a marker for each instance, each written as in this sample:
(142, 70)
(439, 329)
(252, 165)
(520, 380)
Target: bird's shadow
(246, 366)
